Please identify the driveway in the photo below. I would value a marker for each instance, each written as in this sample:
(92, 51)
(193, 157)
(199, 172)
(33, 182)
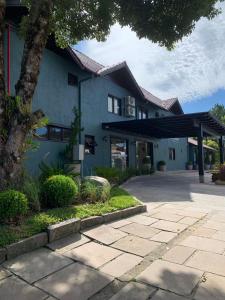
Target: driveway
(175, 251)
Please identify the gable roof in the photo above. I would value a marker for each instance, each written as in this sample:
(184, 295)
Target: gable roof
(173, 105)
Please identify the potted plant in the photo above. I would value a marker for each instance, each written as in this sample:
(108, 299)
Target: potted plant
(213, 162)
(162, 165)
(220, 177)
(207, 162)
(146, 162)
(189, 165)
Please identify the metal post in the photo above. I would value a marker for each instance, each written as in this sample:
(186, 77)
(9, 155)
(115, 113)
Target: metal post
(200, 155)
(221, 150)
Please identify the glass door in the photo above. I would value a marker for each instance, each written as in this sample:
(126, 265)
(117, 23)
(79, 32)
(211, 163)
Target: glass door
(119, 153)
(144, 154)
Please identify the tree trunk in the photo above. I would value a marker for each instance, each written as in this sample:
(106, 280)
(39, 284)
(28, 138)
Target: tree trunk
(19, 118)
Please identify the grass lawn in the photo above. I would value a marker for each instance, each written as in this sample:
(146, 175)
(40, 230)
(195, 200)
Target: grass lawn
(119, 199)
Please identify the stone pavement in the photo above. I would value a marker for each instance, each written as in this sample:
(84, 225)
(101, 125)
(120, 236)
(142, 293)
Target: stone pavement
(175, 251)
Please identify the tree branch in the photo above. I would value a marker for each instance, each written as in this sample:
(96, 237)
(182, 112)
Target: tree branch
(35, 42)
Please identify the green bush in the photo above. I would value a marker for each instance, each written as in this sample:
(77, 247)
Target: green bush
(111, 174)
(31, 188)
(59, 191)
(13, 205)
(92, 192)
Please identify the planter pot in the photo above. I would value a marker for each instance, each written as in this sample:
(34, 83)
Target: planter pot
(74, 167)
(189, 167)
(162, 168)
(219, 182)
(147, 166)
(207, 167)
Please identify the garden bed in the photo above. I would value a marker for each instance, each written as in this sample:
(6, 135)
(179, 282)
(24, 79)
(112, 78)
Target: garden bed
(39, 222)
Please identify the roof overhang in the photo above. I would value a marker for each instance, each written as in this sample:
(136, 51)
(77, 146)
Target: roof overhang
(179, 126)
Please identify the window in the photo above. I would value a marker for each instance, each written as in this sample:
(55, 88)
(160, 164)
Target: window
(172, 154)
(119, 153)
(89, 144)
(157, 114)
(142, 113)
(72, 79)
(53, 133)
(114, 105)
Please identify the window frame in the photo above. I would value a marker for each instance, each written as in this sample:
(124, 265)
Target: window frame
(140, 113)
(119, 107)
(172, 154)
(48, 134)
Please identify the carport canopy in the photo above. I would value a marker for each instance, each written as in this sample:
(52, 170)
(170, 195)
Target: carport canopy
(198, 125)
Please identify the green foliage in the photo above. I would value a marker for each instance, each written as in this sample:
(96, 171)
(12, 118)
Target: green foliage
(31, 188)
(222, 173)
(207, 160)
(146, 160)
(111, 174)
(119, 199)
(59, 191)
(189, 163)
(48, 170)
(13, 205)
(218, 111)
(91, 192)
(160, 22)
(161, 163)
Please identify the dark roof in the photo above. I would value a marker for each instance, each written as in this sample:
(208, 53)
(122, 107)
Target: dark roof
(177, 126)
(173, 105)
(153, 99)
(195, 143)
(88, 63)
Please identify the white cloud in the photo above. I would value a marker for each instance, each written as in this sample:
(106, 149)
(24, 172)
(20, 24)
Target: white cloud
(196, 68)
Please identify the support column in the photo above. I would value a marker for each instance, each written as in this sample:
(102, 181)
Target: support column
(200, 155)
(221, 150)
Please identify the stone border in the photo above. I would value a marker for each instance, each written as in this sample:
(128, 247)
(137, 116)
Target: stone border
(63, 229)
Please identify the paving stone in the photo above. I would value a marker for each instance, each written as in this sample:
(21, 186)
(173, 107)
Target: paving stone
(37, 264)
(140, 230)
(121, 264)
(93, 254)
(204, 232)
(209, 262)
(172, 277)
(204, 244)
(104, 234)
(212, 288)
(190, 213)
(74, 282)
(164, 237)
(167, 216)
(218, 218)
(179, 254)
(136, 245)
(13, 288)
(162, 295)
(215, 225)
(134, 291)
(188, 220)
(169, 226)
(219, 235)
(2, 255)
(68, 243)
(141, 219)
(120, 223)
(4, 273)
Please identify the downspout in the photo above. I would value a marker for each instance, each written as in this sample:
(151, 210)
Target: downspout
(9, 59)
(80, 112)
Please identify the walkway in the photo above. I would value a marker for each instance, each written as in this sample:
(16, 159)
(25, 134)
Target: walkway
(175, 251)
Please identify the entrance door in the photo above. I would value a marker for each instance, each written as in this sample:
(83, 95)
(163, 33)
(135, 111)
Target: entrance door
(144, 154)
(119, 153)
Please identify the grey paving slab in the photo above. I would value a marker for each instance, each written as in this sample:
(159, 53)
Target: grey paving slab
(140, 230)
(136, 245)
(215, 225)
(104, 234)
(68, 243)
(169, 226)
(134, 291)
(75, 282)
(188, 220)
(204, 232)
(13, 288)
(207, 261)
(164, 237)
(178, 254)
(168, 216)
(4, 273)
(205, 244)
(172, 277)
(212, 288)
(142, 219)
(37, 264)
(162, 295)
(93, 254)
(121, 264)
(219, 235)
(120, 223)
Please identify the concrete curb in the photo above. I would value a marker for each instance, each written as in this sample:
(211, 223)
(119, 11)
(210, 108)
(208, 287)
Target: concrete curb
(63, 229)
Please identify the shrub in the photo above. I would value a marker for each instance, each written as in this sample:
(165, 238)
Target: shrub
(92, 192)
(58, 191)
(13, 205)
(111, 174)
(161, 163)
(31, 188)
(222, 173)
(54, 169)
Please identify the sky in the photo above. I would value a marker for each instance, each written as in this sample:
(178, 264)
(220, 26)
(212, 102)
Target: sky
(194, 71)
